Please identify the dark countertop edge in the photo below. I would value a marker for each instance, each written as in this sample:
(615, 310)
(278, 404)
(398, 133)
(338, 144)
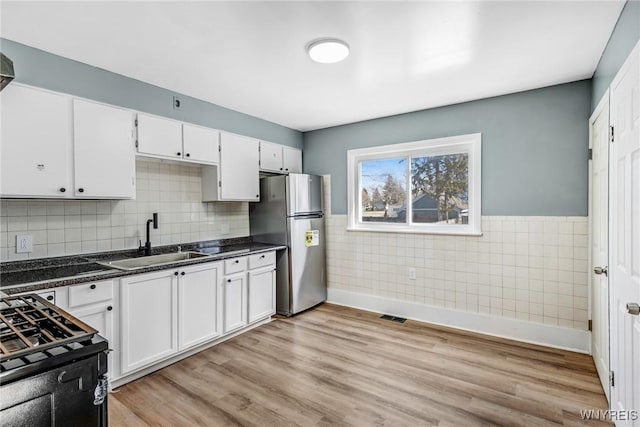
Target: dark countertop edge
(28, 264)
(253, 248)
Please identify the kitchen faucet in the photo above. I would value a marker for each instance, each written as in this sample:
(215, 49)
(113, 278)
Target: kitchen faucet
(147, 244)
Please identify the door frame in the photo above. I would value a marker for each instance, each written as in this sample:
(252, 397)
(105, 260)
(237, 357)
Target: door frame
(604, 102)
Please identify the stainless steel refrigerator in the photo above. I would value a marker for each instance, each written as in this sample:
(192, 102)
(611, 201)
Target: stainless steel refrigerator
(290, 213)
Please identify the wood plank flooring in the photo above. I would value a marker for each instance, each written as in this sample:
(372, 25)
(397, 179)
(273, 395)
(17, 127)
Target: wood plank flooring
(339, 366)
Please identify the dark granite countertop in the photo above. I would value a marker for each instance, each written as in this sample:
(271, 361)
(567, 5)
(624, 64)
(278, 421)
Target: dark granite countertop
(46, 273)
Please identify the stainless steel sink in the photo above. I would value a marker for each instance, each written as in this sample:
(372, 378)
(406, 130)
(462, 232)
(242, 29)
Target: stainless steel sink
(151, 261)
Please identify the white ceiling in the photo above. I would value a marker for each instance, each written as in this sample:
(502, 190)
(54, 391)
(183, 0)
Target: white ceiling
(250, 56)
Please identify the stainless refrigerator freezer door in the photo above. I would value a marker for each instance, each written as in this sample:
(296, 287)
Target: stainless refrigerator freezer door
(305, 194)
(308, 278)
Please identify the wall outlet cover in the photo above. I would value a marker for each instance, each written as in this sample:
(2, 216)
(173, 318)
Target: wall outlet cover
(412, 273)
(24, 243)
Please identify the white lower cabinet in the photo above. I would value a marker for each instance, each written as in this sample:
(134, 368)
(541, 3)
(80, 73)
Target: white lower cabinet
(262, 293)
(199, 316)
(149, 305)
(234, 297)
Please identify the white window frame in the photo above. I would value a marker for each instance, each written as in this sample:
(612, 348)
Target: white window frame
(470, 144)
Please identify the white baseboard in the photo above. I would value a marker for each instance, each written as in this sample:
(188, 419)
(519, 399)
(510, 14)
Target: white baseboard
(504, 327)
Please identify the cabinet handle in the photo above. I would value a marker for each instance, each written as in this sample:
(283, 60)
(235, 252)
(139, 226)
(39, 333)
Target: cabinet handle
(50, 298)
(175, 274)
(183, 273)
(80, 190)
(62, 189)
(188, 155)
(179, 153)
(109, 308)
(92, 286)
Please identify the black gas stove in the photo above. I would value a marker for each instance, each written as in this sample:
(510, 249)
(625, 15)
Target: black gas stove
(52, 366)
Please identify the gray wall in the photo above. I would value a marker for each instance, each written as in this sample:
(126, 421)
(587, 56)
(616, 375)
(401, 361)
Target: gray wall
(534, 148)
(39, 68)
(624, 37)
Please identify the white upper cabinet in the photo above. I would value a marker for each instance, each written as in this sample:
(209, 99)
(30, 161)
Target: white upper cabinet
(159, 137)
(279, 158)
(270, 157)
(103, 148)
(170, 139)
(35, 150)
(56, 146)
(292, 159)
(237, 177)
(200, 144)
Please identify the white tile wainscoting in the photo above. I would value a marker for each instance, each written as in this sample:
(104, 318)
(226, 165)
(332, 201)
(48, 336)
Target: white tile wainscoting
(68, 227)
(528, 272)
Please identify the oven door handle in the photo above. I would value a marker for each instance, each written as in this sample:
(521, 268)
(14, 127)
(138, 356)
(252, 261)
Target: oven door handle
(85, 377)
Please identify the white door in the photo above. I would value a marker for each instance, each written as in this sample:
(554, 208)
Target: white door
(262, 293)
(234, 302)
(270, 156)
(200, 144)
(35, 150)
(149, 320)
(624, 245)
(198, 305)
(239, 168)
(599, 132)
(292, 160)
(159, 137)
(104, 153)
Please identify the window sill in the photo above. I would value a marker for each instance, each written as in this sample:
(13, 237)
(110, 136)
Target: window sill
(416, 231)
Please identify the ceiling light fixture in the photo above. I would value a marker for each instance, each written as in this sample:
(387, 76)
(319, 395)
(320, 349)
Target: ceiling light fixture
(328, 51)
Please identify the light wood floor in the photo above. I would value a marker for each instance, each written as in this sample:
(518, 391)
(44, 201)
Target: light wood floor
(340, 366)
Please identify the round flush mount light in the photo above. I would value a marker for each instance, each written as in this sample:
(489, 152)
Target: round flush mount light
(328, 51)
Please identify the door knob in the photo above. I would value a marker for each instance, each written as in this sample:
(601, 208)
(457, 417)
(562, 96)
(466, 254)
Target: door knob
(601, 270)
(633, 308)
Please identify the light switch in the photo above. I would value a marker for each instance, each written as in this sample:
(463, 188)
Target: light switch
(24, 243)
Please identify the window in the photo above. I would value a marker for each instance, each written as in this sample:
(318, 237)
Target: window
(430, 186)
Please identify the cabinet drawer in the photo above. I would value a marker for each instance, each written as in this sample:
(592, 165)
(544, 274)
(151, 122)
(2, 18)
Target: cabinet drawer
(89, 293)
(235, 265)
(261, 260)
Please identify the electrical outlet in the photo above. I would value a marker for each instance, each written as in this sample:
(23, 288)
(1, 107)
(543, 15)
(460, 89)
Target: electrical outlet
(412, 273)
(224, 229)
(24, 243)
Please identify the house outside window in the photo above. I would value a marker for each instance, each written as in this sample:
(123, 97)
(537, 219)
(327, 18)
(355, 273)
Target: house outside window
(430, 186)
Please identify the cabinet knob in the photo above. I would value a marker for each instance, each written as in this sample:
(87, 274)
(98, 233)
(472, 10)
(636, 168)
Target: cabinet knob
(262, 257)
(188, 155)
(175, 274)
(62, 189)
(257, 196)
(237, 261)
(50, 298)
(80, 190)
(92, 286)
(109, 308)
(183, 273)
(179, 153)
(287, 170)
(229, 280)
(280, 168)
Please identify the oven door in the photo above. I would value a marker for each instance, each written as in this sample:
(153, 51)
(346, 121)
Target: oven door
(63, 396)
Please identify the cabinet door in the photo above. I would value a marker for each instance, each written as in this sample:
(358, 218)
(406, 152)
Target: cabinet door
(270, 157)
(149, 321)
(198, 305)
(103, 147)
(35, 150)
(239, 174)
(292, 160)
(159, 137)
(101, 318)
(262, 293)
(234, 302)
(200, 144)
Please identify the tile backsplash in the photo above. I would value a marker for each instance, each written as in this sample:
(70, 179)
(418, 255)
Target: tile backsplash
(67, 227)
